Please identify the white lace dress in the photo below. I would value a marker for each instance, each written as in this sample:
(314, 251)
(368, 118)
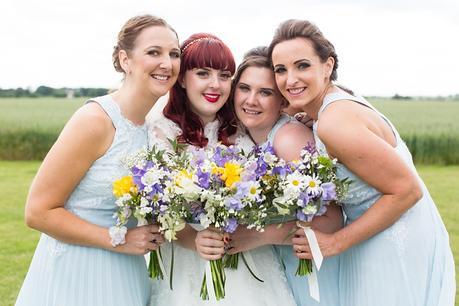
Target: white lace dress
(241, 287)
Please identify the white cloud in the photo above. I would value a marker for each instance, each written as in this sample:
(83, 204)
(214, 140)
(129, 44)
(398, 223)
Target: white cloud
(384, 47)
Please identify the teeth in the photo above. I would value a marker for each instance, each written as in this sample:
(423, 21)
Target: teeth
(212, 96)
(160, 77)
(296, 90)
(251, 112)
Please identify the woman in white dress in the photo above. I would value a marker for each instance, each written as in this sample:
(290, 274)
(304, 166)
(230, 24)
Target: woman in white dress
(197, 114)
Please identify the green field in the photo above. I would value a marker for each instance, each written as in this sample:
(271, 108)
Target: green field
(429, 128)
(18, 242)
(29, 126)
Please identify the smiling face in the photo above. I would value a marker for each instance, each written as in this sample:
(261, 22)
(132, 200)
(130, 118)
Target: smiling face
(154, 62)
(207, 90)
(257, 101)
(301, 76)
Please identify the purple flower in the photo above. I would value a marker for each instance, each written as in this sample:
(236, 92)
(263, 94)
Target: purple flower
(242, 190)
(303, 199)
(302, 216)
(269, 149)
(218, 157)
(231, 225)
(234, 203)
(329, 191)
(282, 170)
(199, 156)
(262, 167)
(203, 179)
(156, 189)
(137, 174)
(249, 172)
(196, 211)
(311, 148)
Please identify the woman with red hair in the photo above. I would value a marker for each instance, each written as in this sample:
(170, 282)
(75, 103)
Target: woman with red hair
(197, 114)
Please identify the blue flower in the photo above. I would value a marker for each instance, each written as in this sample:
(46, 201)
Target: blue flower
(231, 225)
(262, 167)
(203, 179)
(329, 191)
(303, 217)
(242, 190)
(234, 203)
(303, 199)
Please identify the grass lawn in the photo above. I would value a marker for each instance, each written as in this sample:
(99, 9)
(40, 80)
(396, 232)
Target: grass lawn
(18, 242)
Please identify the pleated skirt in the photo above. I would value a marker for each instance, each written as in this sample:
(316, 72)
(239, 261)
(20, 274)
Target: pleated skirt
(62, 274)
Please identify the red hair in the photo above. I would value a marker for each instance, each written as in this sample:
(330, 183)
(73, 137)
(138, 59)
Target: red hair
(201, 50)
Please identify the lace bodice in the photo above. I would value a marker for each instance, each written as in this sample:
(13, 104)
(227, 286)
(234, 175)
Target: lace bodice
(93, 199)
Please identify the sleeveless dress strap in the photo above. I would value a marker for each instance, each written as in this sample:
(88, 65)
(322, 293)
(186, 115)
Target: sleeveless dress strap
(342, 95)
(110, 107)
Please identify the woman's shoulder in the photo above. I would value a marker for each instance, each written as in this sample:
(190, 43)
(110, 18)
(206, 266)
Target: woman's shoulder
(293, 130)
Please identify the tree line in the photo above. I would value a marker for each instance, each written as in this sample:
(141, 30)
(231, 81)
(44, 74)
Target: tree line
(46, 91)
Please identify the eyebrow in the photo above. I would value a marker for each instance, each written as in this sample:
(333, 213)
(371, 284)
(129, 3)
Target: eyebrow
(159, 47)
(301, 60)
(262, 88)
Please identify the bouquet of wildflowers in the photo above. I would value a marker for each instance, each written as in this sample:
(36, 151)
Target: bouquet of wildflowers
(304, 188)
(256, 191)
(152, 193)
(227, 185)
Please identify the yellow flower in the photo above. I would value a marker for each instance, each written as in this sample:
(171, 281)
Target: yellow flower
(183, 174)
(124, 185)
(231, 174)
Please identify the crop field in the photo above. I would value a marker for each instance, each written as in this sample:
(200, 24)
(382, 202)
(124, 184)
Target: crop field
(29, 126)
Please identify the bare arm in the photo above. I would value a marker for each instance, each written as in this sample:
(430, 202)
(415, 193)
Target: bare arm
(86, 137)
(364, 148)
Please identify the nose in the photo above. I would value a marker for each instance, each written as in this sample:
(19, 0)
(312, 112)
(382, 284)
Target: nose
(251, 98)
(291, 78)
(166, 63)
(214, 81)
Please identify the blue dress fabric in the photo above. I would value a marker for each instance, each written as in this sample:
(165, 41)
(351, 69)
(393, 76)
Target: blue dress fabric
(408, 264)
(73, 275)
(327, 275)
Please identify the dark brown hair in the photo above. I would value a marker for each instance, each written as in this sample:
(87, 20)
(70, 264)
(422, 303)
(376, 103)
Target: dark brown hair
(294, 28)
(130, 31)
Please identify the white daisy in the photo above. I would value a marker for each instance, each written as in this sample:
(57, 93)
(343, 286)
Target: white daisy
(313, 185)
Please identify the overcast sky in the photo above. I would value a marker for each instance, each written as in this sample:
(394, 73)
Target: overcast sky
(409, 47)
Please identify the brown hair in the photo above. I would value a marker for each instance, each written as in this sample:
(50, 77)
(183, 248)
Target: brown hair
(129, 33)
(294, 28)
(256, 57)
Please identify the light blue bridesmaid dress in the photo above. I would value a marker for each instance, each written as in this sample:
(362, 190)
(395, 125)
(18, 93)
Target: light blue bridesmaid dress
(408, 264)
(327, 275)
(63, 274)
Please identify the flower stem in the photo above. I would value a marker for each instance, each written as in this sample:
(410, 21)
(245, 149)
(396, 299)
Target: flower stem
(154, 268)
(304, 267)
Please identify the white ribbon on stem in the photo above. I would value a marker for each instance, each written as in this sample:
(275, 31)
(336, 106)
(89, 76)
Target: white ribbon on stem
(317, 259)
